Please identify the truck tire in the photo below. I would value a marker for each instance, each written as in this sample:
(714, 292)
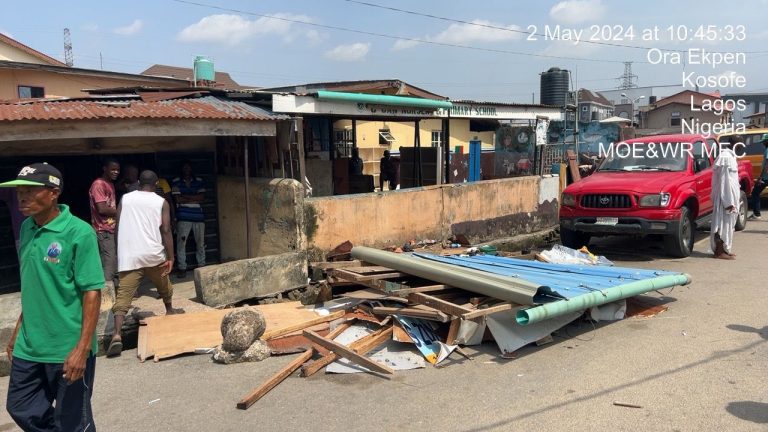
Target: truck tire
(680, 244)
(573, 239)
(741, 220)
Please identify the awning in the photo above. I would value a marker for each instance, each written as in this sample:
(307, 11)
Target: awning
(382, 99)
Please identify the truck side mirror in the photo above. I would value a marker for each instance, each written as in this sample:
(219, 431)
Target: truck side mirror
(701, 165)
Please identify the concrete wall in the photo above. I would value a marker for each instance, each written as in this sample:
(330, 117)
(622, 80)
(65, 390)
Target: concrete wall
(481, 211)
(277, 217)
(10, 53)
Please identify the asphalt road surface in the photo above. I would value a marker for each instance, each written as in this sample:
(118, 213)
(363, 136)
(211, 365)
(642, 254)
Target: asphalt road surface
(700, 366)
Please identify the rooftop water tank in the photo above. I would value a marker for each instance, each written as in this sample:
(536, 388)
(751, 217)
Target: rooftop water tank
(555, 84)
(203, 69)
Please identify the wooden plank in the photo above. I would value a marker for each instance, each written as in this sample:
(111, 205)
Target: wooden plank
(269, 334)
(402, 292)
(356, 277)
(348, 353)
(276, 379)
(399, 334)
(171, 335)
(441, 305)
(490, 310)
(573, 165)
(432, 315)
(453, 331)
(141, 346)
(360, 346)
(329, 265)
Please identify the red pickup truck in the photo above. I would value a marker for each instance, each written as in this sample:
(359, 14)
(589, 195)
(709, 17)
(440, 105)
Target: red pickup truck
(658, 185)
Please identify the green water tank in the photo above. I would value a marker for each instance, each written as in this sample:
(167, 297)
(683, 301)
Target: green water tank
(204, 69)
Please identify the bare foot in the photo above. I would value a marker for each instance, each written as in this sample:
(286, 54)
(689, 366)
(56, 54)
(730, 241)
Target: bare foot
(171, 311)
(724, 256)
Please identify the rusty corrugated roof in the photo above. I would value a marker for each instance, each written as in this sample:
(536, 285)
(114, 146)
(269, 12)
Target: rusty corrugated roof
(204, 108)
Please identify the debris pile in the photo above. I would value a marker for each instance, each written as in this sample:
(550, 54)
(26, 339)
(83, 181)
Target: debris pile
(399, 311)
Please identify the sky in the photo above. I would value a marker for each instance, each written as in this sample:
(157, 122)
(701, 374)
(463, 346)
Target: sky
(480, 50)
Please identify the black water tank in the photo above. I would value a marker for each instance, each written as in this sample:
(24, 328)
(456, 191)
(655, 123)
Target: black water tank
(555, 84)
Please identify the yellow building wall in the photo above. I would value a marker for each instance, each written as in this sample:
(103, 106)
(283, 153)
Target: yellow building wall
(56, 84)
(9, 53)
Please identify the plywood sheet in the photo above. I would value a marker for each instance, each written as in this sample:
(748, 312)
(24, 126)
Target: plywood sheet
(168, 336)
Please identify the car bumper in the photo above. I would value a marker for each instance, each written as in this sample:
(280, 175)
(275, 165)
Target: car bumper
(625, 225)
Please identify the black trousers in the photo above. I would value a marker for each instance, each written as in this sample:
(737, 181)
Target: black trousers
(33, 388)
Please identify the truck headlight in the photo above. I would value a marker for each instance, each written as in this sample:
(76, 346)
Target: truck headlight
(569, 200)
(655, 200)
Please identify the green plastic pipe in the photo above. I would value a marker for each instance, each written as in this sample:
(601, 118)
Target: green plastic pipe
(596, 298)
(383, 99)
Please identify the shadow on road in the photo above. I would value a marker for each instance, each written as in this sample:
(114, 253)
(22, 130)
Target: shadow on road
(756, 412)
(763, 332)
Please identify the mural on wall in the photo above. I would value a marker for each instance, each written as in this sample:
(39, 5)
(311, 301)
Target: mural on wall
(514, 150)
(591, 134)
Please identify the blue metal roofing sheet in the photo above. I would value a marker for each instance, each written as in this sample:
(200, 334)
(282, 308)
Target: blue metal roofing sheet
(563, 280)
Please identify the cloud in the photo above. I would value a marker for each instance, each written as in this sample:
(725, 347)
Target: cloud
(233, 29)
(475, 32)
(130, 29)
(460, 34)
(402, 44)
(91, 27)
(577, 11)
(349, 53)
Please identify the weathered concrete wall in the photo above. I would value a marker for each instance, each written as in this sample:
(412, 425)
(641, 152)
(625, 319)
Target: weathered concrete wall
(481, 211)
(224, 284)
(277, 217)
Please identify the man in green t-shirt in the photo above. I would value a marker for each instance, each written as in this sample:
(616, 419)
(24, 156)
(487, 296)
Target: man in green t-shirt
(54, 344)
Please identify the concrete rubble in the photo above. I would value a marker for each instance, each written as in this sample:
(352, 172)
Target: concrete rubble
(241, 330)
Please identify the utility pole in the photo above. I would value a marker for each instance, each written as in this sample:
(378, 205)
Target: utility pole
(627, 78)
(69, 59)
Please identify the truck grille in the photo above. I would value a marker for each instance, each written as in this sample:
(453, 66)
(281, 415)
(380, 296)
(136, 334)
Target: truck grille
(606, 201)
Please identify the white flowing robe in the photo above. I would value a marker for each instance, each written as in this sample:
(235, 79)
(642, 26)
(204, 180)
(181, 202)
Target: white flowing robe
(725, 193)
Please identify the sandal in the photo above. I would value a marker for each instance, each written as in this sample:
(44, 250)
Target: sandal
(115, 348)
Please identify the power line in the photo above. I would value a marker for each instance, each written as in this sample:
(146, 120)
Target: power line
(388, 36)
(490, 26)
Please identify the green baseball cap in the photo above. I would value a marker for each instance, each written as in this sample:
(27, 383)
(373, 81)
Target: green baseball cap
(37, 174)
(764, 138)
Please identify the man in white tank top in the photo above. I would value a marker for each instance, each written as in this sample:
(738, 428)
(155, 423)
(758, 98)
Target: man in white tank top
(144, 248)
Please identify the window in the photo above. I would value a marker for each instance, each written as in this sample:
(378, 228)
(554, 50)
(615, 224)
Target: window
(27, 92)
(342, 142)
(585, 108)
(675, 120)
(437, 138)
(385, 137)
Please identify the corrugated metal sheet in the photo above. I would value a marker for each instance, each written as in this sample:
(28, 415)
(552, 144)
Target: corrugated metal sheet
(208, 108)
(562, 280)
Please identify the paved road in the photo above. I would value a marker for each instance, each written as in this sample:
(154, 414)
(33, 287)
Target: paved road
(700, 366)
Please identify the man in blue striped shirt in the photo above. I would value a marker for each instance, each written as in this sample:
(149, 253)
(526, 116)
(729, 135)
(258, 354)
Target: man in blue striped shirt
(188, 193)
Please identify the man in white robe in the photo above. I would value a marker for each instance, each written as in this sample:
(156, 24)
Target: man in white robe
(725, 200)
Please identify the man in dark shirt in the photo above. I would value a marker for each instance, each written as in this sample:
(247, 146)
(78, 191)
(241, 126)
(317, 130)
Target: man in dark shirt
(189, 193)
(387, 172)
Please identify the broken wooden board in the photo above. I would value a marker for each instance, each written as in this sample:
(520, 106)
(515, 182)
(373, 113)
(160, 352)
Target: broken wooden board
(348, 353)
(360, 346)
(170, 335)
(354, 274)
(413, 312)
(439, 304)
(276, 379)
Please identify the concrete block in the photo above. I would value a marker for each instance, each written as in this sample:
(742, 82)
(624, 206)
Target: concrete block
(224, 284)
(10, 309)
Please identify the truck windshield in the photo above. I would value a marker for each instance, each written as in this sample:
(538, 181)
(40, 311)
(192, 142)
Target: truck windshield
(647, 157)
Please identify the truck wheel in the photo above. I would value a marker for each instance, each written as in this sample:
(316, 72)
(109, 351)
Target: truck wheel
(573, 239)
(741, 220)
(680, 244)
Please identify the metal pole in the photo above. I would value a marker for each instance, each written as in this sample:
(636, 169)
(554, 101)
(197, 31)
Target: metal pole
(447, 147)
(501, 287)
(247, 176)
